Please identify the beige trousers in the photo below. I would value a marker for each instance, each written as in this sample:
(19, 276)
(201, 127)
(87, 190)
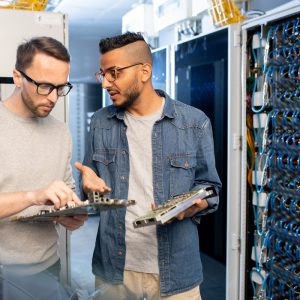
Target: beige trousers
(139, 286)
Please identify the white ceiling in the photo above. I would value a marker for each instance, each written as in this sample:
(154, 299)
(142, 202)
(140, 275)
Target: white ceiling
(90, 18)
(89, 21)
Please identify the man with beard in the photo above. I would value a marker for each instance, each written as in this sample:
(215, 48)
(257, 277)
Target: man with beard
(35, 157)
(146, 147)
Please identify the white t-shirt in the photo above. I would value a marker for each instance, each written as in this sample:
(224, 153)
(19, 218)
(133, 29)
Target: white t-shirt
(141, 243)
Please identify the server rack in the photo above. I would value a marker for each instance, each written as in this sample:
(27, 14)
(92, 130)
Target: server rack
(203, 49)
(161, 68)
(270, 260)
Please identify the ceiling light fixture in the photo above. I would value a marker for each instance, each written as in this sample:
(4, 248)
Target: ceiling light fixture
(4, 3)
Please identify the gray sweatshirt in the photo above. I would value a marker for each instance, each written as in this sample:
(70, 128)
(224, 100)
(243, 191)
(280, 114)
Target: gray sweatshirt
(33, 153)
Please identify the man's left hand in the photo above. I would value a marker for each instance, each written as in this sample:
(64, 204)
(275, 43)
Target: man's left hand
(72, 223)
(198, 206)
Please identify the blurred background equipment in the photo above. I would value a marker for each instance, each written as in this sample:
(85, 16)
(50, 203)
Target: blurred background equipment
(37, 5)
(224, 12)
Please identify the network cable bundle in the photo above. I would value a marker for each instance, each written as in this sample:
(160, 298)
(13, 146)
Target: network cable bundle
(273, 137)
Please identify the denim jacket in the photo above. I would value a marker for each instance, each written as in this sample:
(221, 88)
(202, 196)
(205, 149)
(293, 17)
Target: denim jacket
(183, 159)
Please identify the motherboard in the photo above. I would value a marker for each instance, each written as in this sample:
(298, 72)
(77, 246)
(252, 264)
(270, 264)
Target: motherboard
(172, 207)
(95, 203)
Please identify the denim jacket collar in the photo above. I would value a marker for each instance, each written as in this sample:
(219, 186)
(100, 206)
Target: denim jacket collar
(168, 111)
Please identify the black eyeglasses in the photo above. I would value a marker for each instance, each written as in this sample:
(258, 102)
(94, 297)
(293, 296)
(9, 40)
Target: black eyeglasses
(45, 89)
(112, 74)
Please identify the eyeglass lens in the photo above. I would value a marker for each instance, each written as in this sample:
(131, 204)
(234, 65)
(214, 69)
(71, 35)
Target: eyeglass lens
(46, 89)
(110, 75)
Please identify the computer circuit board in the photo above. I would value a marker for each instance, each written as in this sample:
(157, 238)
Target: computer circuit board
(172, 207)
(95, 203)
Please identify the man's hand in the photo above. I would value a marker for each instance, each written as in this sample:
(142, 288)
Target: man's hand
(72, 223)
(57, 193)
(90, 181)
(198, 206)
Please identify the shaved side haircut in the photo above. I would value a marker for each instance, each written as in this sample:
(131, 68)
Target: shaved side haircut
(137, 46)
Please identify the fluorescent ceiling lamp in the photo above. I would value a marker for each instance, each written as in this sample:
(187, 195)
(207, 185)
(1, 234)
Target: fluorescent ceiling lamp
(4, 3)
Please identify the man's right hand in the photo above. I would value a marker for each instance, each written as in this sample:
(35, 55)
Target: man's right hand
(90, 181)
(57, 193)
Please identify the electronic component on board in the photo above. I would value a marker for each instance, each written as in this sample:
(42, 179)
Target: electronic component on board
(95, 202)
(172, 207)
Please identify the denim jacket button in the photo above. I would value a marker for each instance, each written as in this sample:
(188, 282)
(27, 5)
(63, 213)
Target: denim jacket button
(122, 178)
(120, 253)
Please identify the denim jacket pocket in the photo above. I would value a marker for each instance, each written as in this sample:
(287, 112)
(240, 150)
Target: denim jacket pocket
(104, 156)
(105, 160)
(182, 172)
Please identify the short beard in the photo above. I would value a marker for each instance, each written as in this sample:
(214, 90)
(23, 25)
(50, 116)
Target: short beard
(131, 99)
(132, 94)
(34, 109)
